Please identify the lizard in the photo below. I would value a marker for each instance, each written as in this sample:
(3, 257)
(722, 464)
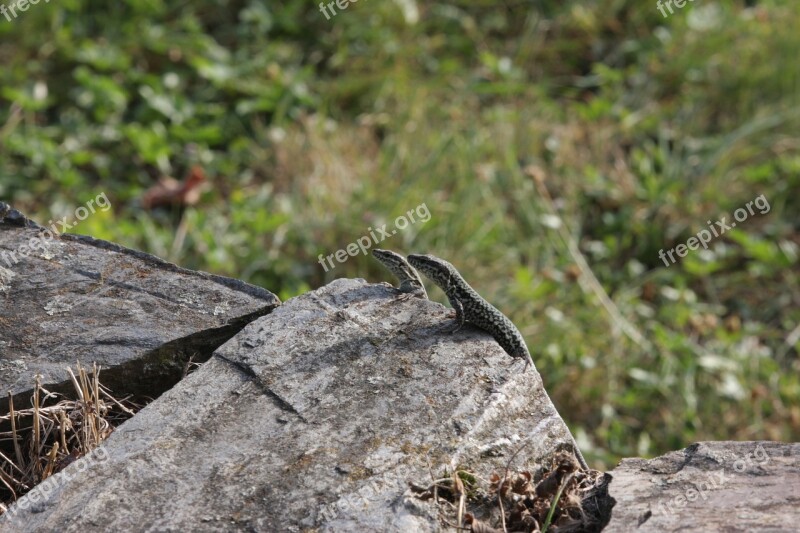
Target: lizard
(410, 282)
(471, 307)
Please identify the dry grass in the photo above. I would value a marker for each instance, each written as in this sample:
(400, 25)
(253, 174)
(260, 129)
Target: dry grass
(561, 497)
(39, 441)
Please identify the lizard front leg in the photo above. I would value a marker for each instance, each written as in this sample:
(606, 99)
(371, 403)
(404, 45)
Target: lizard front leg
(459, 307)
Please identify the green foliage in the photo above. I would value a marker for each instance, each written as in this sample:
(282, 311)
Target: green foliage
(312, 131)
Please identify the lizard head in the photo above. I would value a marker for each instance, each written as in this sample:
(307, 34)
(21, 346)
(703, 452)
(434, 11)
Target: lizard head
(387, 256)
(437, 270)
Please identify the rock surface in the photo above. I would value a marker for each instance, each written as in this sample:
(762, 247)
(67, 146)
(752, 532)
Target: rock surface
(72, 298)
(314, 416)
(710, 486)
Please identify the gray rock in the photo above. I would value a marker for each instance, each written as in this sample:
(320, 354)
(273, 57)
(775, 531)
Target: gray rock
(710, 486)
(314, 416)
(73, 298)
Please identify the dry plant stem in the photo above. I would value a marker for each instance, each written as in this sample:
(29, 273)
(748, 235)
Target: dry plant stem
(36, 431)
(51, 462)
(63, 425)
(461, 502)
(14, 436)
(502, 511)
(107, 394)
(51, 410)
(96, 390)
(458, 485)
(6, 479)
(75, 383)
(435, 485)
(89, 435)
(10, 462)
(503, 482)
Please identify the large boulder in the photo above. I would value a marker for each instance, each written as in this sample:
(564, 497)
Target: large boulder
(317, 415)
(710, 486)
(71, 298)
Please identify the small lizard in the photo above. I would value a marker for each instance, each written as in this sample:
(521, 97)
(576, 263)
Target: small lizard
(472, 308)
(410, 281)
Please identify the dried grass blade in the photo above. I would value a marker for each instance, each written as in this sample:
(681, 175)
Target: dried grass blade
(14, 436)
(51, 461)
(75, 383)
(10, 462)
(6, 479)
(63, 423)
(37, 437)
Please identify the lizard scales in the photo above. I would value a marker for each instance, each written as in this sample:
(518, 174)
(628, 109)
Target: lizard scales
(470, 306)
(395, 263)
